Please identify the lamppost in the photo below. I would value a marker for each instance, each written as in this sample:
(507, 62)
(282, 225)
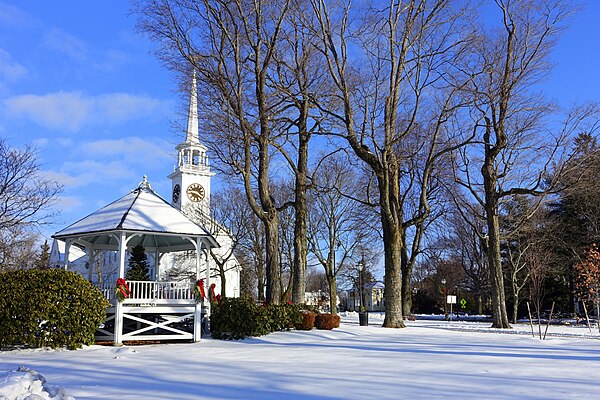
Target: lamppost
(363, 316)
(445, 300)
(360, 285)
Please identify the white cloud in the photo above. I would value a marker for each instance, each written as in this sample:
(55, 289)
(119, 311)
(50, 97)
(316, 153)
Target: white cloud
(14, 16)
(71, 111)
(41, 142)
(134, 149)
(74, 174)
(66, 44)
(76, 49)
(65, 142)
(10, 70)
(68, 202)
(62, 178)
(89, 171)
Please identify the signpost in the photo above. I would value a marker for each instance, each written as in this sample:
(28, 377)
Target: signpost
(451, 299)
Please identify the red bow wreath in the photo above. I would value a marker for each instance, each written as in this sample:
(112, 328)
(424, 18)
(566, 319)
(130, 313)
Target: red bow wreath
(122, 290)
(199, 290)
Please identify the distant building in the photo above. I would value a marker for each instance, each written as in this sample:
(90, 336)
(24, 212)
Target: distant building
(373, 297)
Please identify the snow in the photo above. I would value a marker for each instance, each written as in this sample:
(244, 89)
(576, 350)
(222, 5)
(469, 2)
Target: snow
(139, 210)
(27, 384)
(427, 360)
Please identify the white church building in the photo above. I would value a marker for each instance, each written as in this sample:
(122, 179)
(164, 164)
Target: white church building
(190, 194)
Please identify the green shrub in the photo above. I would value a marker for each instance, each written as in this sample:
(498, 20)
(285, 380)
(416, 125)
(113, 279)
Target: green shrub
(327, 321)
(283, 316)
(308, 321)
(237, 318)
(49, 308)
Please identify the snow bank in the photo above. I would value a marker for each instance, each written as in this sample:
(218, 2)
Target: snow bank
(27, 384)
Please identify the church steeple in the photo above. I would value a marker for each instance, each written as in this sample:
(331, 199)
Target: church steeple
(191, 177)
(191, 133)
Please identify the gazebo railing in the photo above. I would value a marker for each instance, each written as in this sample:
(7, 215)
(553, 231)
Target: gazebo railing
(150, 291)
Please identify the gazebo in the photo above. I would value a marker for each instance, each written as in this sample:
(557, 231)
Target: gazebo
(156, 310)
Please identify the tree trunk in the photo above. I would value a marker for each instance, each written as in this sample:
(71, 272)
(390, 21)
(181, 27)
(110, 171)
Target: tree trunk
(332, 294)
(393, 283)
(515, 307)
(273, 294)
(300, 240)
(223, 281)
(406, 268)
(499, 314)
(259, 260)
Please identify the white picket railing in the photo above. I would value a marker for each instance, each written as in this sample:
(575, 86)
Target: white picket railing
(107, 289)
(152, 291)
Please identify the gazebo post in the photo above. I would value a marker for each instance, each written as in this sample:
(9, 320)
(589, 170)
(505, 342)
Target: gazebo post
(67, 250)
(118, 306)
(207, 273)
(156, 265)
(198, 305)
(90, 253)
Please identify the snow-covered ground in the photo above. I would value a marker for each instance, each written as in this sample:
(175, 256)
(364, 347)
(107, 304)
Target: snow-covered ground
(427, 360)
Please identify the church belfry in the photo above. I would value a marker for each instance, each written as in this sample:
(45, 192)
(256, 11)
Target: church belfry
(191, 178)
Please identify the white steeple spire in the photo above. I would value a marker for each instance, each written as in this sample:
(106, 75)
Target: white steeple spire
(191, 133)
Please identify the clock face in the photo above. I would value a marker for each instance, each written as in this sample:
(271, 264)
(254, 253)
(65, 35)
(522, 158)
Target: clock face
(176, 193)
(195, 192)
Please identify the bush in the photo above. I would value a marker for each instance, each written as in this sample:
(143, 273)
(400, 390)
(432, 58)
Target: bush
(49, 308)
(308, 321)
(327, 321)
(237, 318)
(283, 316)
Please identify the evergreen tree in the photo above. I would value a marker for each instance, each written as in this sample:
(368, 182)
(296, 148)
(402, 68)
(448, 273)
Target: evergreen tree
(138, 265)
(44, 258)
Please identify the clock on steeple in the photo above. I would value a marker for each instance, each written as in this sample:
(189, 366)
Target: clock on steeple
(195, 192)
(176, 193)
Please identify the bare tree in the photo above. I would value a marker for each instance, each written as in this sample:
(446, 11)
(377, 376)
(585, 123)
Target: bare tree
(26, 199)
(231, 45)
(517, 272)
(26, 196)
(298, 81)
(516, 149)
(460, 239)
(337, 223)
(385, 65)
(539, 268)
(17, 248)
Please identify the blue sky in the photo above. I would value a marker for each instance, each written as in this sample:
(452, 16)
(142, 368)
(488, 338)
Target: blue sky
(79, 83)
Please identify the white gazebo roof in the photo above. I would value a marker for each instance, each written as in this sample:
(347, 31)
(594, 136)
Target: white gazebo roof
(142, 211)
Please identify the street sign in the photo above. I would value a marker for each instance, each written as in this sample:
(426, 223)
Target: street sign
(450, 299)
(463, 303)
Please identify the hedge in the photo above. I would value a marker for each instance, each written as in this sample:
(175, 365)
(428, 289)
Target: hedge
(49, 308)
(237, 318)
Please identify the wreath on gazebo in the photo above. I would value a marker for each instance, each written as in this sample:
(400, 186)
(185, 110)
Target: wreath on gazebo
(122, 291)
(199, 293)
